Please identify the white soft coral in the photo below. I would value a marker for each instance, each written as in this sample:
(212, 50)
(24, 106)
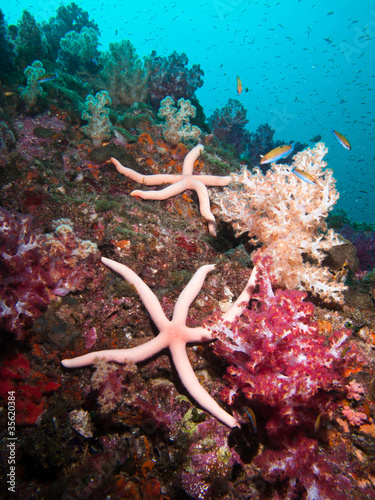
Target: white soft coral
(287, 215)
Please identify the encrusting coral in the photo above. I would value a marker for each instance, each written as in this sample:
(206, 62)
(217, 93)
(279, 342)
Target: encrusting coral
(177, 124)
(287, 215)
(109, 380)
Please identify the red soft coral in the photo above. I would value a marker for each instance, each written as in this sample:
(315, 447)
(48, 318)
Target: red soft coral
(302, 471)
(28, 396)
(278, 358)
(35, 267)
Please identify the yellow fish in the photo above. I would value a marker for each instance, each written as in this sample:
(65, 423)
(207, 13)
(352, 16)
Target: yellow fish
(239, 85)
(305, 176)
(317, 422)
(341, 139)
(277, 154)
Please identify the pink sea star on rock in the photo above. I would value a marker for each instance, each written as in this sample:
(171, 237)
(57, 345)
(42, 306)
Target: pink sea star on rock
(179, 184)
(173, 334)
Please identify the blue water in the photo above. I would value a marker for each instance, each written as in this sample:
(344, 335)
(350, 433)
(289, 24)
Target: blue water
(308, 65)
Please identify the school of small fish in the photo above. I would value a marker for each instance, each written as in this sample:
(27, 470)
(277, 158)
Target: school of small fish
(300, 77)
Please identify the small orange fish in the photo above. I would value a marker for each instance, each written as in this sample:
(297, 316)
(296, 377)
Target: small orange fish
(277, 154)
(305, 176)
(341, 139)
(239, 85)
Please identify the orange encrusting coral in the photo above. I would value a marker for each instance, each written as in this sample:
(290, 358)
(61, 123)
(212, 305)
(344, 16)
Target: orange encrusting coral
(145, 138)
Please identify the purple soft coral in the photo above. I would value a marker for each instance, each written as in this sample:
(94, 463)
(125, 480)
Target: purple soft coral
(364, 242)
(24, 293)
(228, 124)
(169, 76)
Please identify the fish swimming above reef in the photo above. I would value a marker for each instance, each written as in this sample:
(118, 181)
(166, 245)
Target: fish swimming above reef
(317, 138)
(277, 153)
(239, 85)
(305, 176)
(341, 139)
(47, 78)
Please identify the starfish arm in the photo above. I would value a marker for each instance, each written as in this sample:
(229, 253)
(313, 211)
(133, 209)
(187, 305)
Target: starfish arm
(134, 354)
(198, 334)
(147, 180)
(243, 300)
(190, 381)
(190, 159)
(189, 293)
(148, 298)
(163, 194)
(213, 180)
(204, 203)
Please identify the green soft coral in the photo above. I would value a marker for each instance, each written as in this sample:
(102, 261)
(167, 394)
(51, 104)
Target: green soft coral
(78, 51)
(177, 125)
(96, 112)
(124, 74)
(32, 90)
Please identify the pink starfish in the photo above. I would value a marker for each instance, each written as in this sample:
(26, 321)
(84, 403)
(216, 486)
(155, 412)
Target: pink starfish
(173, 334)
(180, 183)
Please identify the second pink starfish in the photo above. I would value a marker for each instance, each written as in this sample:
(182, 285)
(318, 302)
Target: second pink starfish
(179, 183)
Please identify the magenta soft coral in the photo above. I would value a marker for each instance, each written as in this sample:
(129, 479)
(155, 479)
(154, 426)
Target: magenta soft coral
(278, 359)
(301, 470)
(23, 290)
(35, 267)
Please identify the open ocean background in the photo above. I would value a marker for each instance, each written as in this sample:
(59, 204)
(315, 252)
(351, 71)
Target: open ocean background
(309, 67)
